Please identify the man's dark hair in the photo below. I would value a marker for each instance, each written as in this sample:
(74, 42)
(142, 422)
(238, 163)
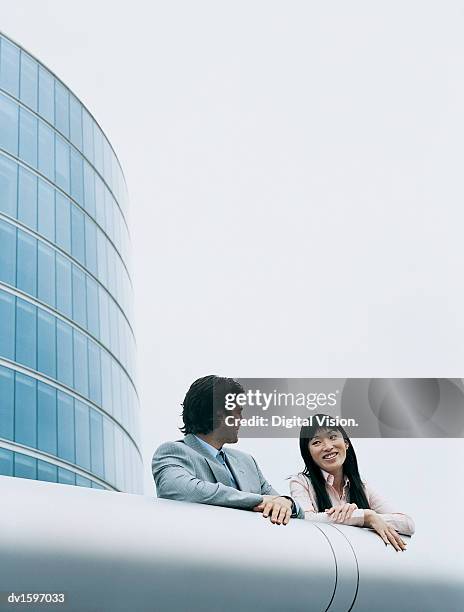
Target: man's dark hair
(205, 401)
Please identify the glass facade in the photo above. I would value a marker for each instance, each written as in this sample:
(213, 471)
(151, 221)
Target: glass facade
(69, 409)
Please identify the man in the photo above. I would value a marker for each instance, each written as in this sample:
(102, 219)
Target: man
(198, 468)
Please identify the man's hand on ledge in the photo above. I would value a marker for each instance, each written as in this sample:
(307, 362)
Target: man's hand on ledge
(278, 509)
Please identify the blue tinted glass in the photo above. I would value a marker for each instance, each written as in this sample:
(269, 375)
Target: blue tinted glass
(46, 151)
(8, 186)
(24, 466)
(109, 203)
(6, 403)
(89, 189)
(61, 109)
(77, 234)
(107, 161)
(81, 481)
(46, 343)
(8, 125)
(77, 177)
(62, 163)
(81, 370)
(27, 263)
(63, 285)
(63, 222)
(94, 373)
(46, 95)
(96, 442)
(87, 128)
(7, 325)
(92, 307)
(98, 143)
(27, 198)
(101, 257)
(75, 109)
(66, 476)
(82, 435)
(64, 348)
(112, 269)
(6, 462)
(29, 81)
(46, 471)
(65, 411)
(95, 485)
(116, 386)
(107, 395)
(9, 68)
(46, 419)
(46, 221)
(28, 137)
(26, 333)
(46, 274)
(100, 202)
(114, 336)
(90, 245)
(118, 456)
(7, 253)
(26, 410)
(104, 317)
(79, 297)
(108, 445)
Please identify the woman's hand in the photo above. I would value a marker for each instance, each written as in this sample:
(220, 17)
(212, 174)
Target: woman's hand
(387, 533)
(339, 513)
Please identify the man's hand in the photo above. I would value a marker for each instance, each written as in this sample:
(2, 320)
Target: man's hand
(339, 513)
(387, 533)
(278, 509)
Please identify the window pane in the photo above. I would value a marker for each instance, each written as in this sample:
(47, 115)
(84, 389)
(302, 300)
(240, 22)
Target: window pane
(46, 343)
(7, 326)
(79, 297)
(66, 476)
(9, 68)
(77, 234)
(8, 125)
(94, 373)
(82, 435)
(28, 137)
(64, 347)
(107, 399)
(24, 466)
(63, 285)
(62, 163)
(29, 80)
(63, 222)
(87, 126)
(26, 333)
(108, 433)
(89, 189)
(109, 203)
(65, 410)
(81, 372)
(7, 253)
(46, 419)
(76, 122)
(8, 186)
(101, 257)
(46, 221)
(61, 109)
(96, 442)
(27, 263)
(27, 198)
(77, 177)
(6, 462)
(118, 456)
(90, 245)
(46, 95)
(116, 386)
(6, 403)
(104, 317)
(81, 481)
(46, 274)
(46, 471)
(92, 307)
(98, 144)
(100, 202)
(46, 151)
(26, 411)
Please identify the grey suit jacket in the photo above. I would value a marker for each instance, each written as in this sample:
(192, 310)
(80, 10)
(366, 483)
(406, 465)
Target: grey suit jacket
(183, 470)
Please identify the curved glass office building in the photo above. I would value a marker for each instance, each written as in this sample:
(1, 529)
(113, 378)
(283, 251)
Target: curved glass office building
(68, 404)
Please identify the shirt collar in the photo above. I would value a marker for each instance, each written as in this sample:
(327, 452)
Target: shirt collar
(330, 479)
(211, 450)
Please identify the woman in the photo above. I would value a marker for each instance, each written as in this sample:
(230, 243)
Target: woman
(330, 489)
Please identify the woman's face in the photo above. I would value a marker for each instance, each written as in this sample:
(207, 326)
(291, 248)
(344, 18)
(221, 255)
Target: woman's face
(328, 449)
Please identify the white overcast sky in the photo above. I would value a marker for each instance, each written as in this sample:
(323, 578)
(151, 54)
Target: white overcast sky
(296, 180)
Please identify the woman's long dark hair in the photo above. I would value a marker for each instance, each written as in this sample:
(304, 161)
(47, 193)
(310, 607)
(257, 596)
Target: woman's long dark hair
(313, 471)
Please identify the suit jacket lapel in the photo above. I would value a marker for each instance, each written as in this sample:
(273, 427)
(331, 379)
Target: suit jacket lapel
(219, 472)
(239, 474)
